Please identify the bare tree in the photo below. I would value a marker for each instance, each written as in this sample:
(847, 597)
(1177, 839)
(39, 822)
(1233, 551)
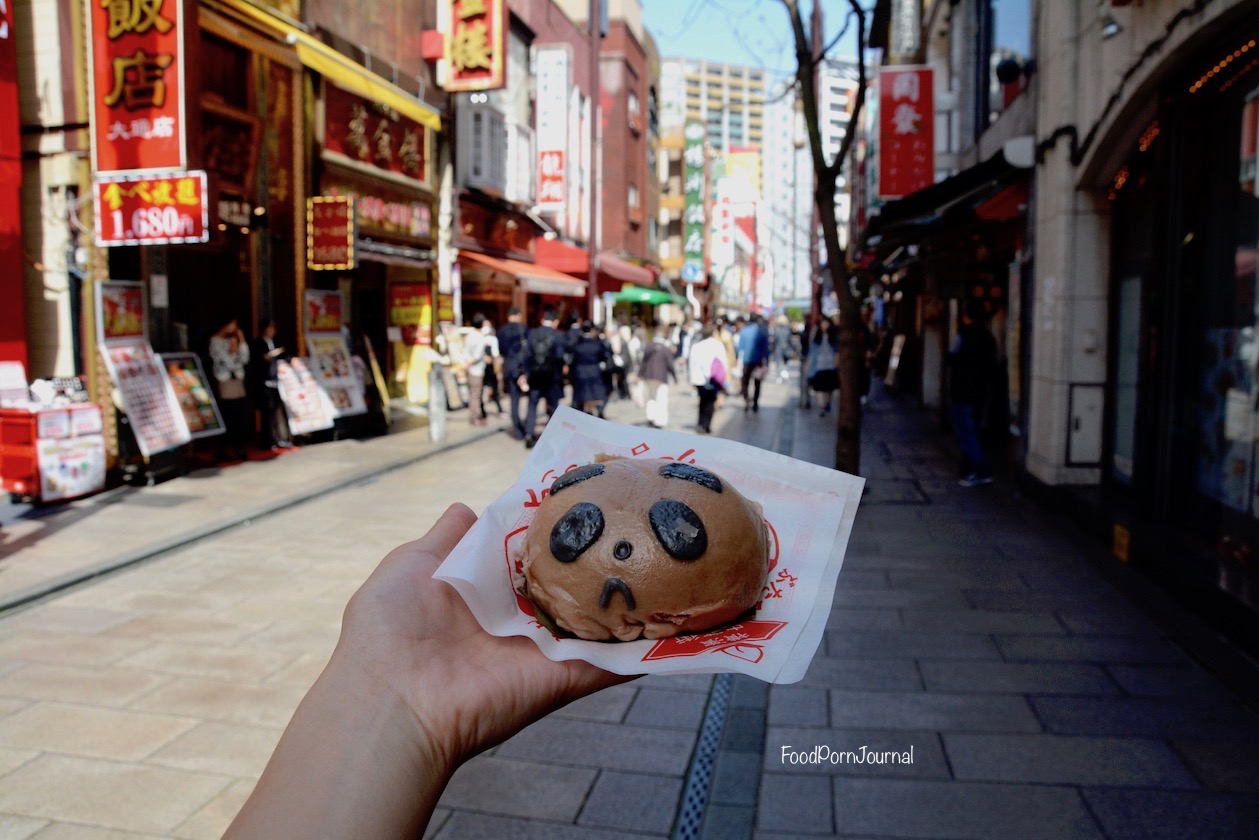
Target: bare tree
(810, 52)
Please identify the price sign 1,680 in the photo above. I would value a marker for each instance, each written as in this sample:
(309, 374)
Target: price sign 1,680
(152, 210)
(155, 223)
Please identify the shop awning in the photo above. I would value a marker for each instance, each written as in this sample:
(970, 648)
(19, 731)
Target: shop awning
(637, 294)
(536, 279)
(336, 67)
(561, 256)
(571, 259)
(624, 271)
(989, 190)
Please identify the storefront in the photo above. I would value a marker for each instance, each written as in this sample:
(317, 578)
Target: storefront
(381, 160)
(960, 239)
(248, 140)
(612, 274)
(1180, 461)
(496, 268)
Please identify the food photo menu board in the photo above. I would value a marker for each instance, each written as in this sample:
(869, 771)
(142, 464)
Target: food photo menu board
(329, 355)
(308, 406)
(196, 399)
(144, 388)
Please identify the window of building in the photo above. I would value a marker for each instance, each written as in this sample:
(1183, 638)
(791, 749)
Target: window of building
(631, 196)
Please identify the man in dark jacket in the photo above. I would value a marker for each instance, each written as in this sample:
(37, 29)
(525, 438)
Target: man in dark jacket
(972, 363)
(544, 371)
(511, 346)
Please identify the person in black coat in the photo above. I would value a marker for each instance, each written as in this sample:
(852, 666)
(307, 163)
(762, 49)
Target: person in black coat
(545, 360)
(589, 357)
(972, 362)
(265, 354)
(511, 346)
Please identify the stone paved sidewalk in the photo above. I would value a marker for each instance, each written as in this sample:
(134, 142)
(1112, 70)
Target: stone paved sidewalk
(969, 627)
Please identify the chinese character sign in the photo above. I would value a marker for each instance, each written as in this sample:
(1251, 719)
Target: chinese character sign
(906, 131)
(476, 44)
(137, 75)
(152, 209)
(330, 233)
(374, 134)
(553, 85)
(694, 208)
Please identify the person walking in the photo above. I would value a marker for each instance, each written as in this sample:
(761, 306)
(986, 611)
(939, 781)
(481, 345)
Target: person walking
(754, 351)
(512, 347)
(656, 369)
(264, 357)
(972, 361)
(544, 371)
(707, 371)
(589, 356)
(782, 346)
(229, 355)
(474, 367)
(493, 370)
(823, 372)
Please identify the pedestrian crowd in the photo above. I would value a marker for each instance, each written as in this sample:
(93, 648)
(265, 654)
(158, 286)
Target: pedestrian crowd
(588, 365)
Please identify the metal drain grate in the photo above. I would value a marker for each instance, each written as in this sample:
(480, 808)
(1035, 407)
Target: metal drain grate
(690, 816)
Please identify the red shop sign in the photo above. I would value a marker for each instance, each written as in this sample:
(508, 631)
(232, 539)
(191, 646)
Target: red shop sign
(330, 232)
(136, 56)
(906, 130)
(152, 209)
(476, 40)
(375, 134)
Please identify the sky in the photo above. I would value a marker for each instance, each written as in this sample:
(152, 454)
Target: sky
(756, 32)
(746, 32)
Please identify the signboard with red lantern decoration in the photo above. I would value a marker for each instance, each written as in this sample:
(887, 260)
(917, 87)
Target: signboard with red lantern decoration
(136, 60)
(152, 209)
(476, 44)
(906, 130)
(330, 232)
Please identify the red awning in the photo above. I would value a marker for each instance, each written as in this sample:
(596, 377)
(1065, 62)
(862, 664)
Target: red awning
(613, 272)
(561, 256)
(536, 279)
(622, 271)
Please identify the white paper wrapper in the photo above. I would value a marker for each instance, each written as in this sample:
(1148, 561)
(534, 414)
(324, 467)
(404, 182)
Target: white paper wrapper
(809, 510)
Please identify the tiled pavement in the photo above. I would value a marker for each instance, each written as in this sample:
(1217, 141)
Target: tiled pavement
(969, 626)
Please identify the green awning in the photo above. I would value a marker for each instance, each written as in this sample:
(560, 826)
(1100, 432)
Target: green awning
(637, 294)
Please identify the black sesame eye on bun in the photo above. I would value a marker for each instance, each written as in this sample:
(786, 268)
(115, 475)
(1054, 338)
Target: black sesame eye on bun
(623, 549)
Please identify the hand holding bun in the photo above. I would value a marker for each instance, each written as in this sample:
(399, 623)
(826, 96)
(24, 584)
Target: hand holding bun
(626, 548)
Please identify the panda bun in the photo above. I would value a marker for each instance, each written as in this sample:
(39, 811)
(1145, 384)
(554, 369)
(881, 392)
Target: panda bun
(623, 549)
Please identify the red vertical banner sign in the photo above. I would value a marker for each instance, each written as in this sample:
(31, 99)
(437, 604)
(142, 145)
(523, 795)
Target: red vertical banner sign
(12, 305)
(476, 43)
(137, 85)
(906, 130)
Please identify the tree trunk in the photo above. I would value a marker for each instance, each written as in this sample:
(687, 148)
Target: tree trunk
(851, 338)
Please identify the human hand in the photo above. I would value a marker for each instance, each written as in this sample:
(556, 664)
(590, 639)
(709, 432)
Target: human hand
(414, 688)
(467, 690)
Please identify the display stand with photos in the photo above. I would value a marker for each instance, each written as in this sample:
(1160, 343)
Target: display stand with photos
(152, 426)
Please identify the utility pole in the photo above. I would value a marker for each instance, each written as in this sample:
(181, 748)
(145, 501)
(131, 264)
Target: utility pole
(594, 15)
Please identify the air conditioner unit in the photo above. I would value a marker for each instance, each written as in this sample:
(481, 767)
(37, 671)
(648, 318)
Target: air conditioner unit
(482, 147)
